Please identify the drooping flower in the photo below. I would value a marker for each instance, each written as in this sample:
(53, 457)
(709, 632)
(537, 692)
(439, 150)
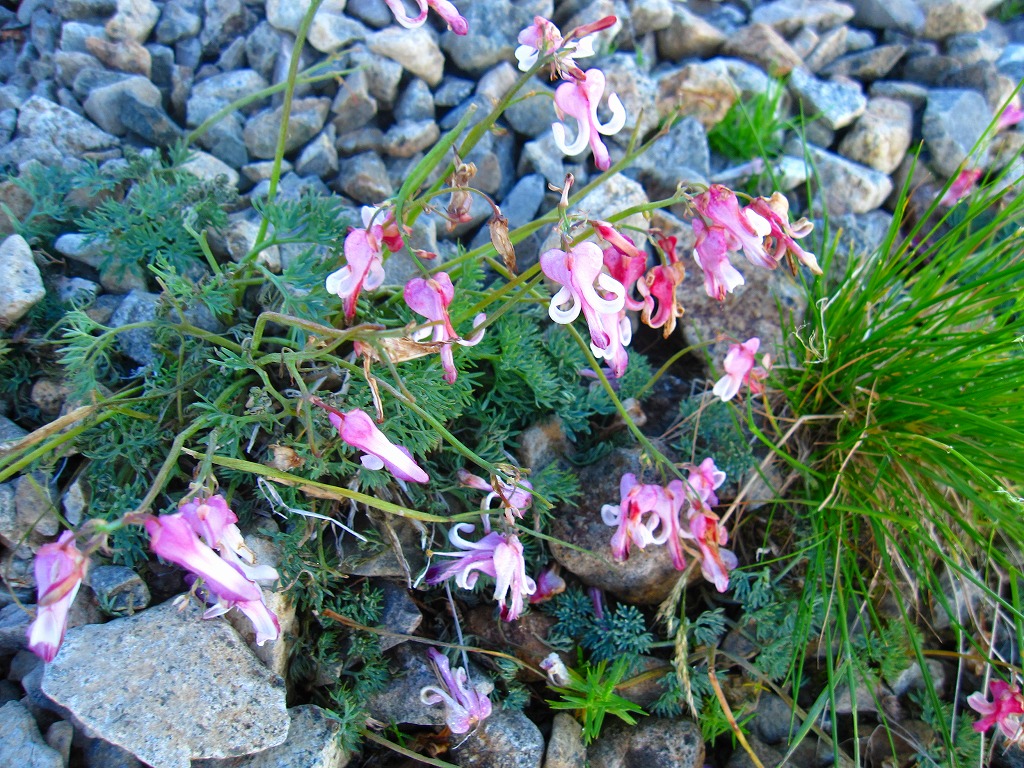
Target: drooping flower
(634, 516)
(623, 260)
(745, 229)
(554, 667)
(739, 368)
(59, 570)
(431, 298)
(671, 500)
(705, 479)
(173, 538)
(549, 584)
(514, 497)
(358, 430)
(455, 21)
(579, 99)
(620, 333)
(539, 39)
(711, 252)
(783, 235)
(710, 534)
(1004, 710)
(465, 705)
(542, 38)
(363, 253)
(661, 309)
(497, 555)
(215, 522)
(576, 270)
(962, 186)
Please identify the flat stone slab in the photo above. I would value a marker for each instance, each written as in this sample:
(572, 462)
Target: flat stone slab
(169, 687)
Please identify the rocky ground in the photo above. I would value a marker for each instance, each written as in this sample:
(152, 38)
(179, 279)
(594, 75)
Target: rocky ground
(87, 79)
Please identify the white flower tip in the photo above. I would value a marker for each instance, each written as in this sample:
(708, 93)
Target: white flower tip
(577, 146)
(584, 47)
(526, 55)
(758, 222)
(371, 462)
(618, 120)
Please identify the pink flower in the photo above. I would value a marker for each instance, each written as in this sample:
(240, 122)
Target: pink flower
(358, 430)
(431, 298)
(497, 555)
(539, 39)
(363, 269)
(1009, 117)
(745, 230)
(671, 500)
(783, 235)
(739, 368)
(579, 99)
(705, 479)
(543, 38)
(711, 253)
(962, 186)
(576, 271)
(60, 568)
(455, 21)
(659, 290)
(513, 498)
(619, 333)
(173, 538)
(1004, 710)
(715, 562)
(634, 516)
(626, 263)
(549, 584)
(464, 704)
(214, 522)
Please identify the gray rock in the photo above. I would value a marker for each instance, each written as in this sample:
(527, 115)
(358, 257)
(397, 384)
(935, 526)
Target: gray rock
(262, 47)
(75, 501)
(319, 157)
(69, 64)
(686, 35)
(205, 166)
(178, 20)
(497, 82)
(58, 737)
(837, 102)
(636, 90)
(480, 103)
(353, 105)
(399, 613)
(374, 13)
(134, 20)
(950, 17)
(105, 106)
(287, 16)
(84, 9)
(774, 721)
(652, 743)
(224, 21)
(699, 90)
(748, 80)
(102, 754)
(880, 138)
(765, 754)
(913, 94)
(365, 179)
(138, 343)
(972, 48)
(867, 65)
(534, 114)
(830, 47)
(306, 121)
(9, 432)
(760, 44)
(651, 16)
(954, 121)
(415, 103)
(312, 743)
(788, 16)
(985, 78)
(119, 590)
(541, 156)
(912, 678)
(361, 140)
(330, 32)
(493, 29)
(931, 69)
(215, 93)
(260, 171)
(21, 744)
(233, 56)
(848, 187)
(73, 35)
(506, 739)
(238, 239)
(14, 621)
(905, 15)
(35, 507)
(9, 691)
(408, 138)
(565, 745)
(415, 49)
(22, 664)
(681, 155)
(50, 133)
(21, 284)
(383, 75)
(105, 675)
(453, 91)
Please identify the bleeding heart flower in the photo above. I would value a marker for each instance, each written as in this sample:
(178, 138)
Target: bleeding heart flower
(431, 298)
(455, 21)
(465, 705)
(739, 368)
(59, 569)
(576, 270)
(783, 235)
(1004, 710)
(710, 534)
(358, 430)
(634, 516)
(744, 229)
(579, 99)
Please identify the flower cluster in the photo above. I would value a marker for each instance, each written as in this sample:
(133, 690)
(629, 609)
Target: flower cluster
(1004, 710)
(651, 514)
(364, 253)
(761, 230)
(581, 93)
(190, 537)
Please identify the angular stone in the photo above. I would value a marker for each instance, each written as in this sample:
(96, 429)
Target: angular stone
(651, 16)
(681, 155)
(954, 121)
(697, 90)
(950, 17)
(205, 166)
(178, 21)
(408, 138)
(365, 179)
(830, 47)
(415, 49)
(134, 20)
(107, 674)
(837, 102)
(868, 65)
(353, 105)
(880, 138)
(652, 742)
(905, 15)
(119, 590)
(330, 32)
(383, 75)
(215, 93)
(688, 34)
(565, 745)
(848, 187)
(913, 94)
(506, 739)
(319, 157)
(306, 120)
(788, 16)
(493, 29)
(415, 103)
(105, 106)
(21, 284)
(763, 46)
(224, 21)
(138, 343)
(21, 744)
(122, 55)
(61, 130)
(399, 614)
(287, 15)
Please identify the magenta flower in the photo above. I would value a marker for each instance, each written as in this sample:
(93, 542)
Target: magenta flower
(715, 562)
(1004, 710)
(745, 230)
(464, 704)
(576, 271)
(60, 568)
(739, 368)
(497, 555)
(579, 99)
(634, 515)
(671, 500)
(431, 298)
(961, 187)
(539, 39)
(626, 264)
(1010, 116)
(543, 38)
(173, 538)
(362, 270)
(358, 430)
(513, 498)
(549, 584)
(659, 291)
(620, 333)
(455, 21)
(705, 479)
(711, 253)
(212, 519)
(783, 235)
